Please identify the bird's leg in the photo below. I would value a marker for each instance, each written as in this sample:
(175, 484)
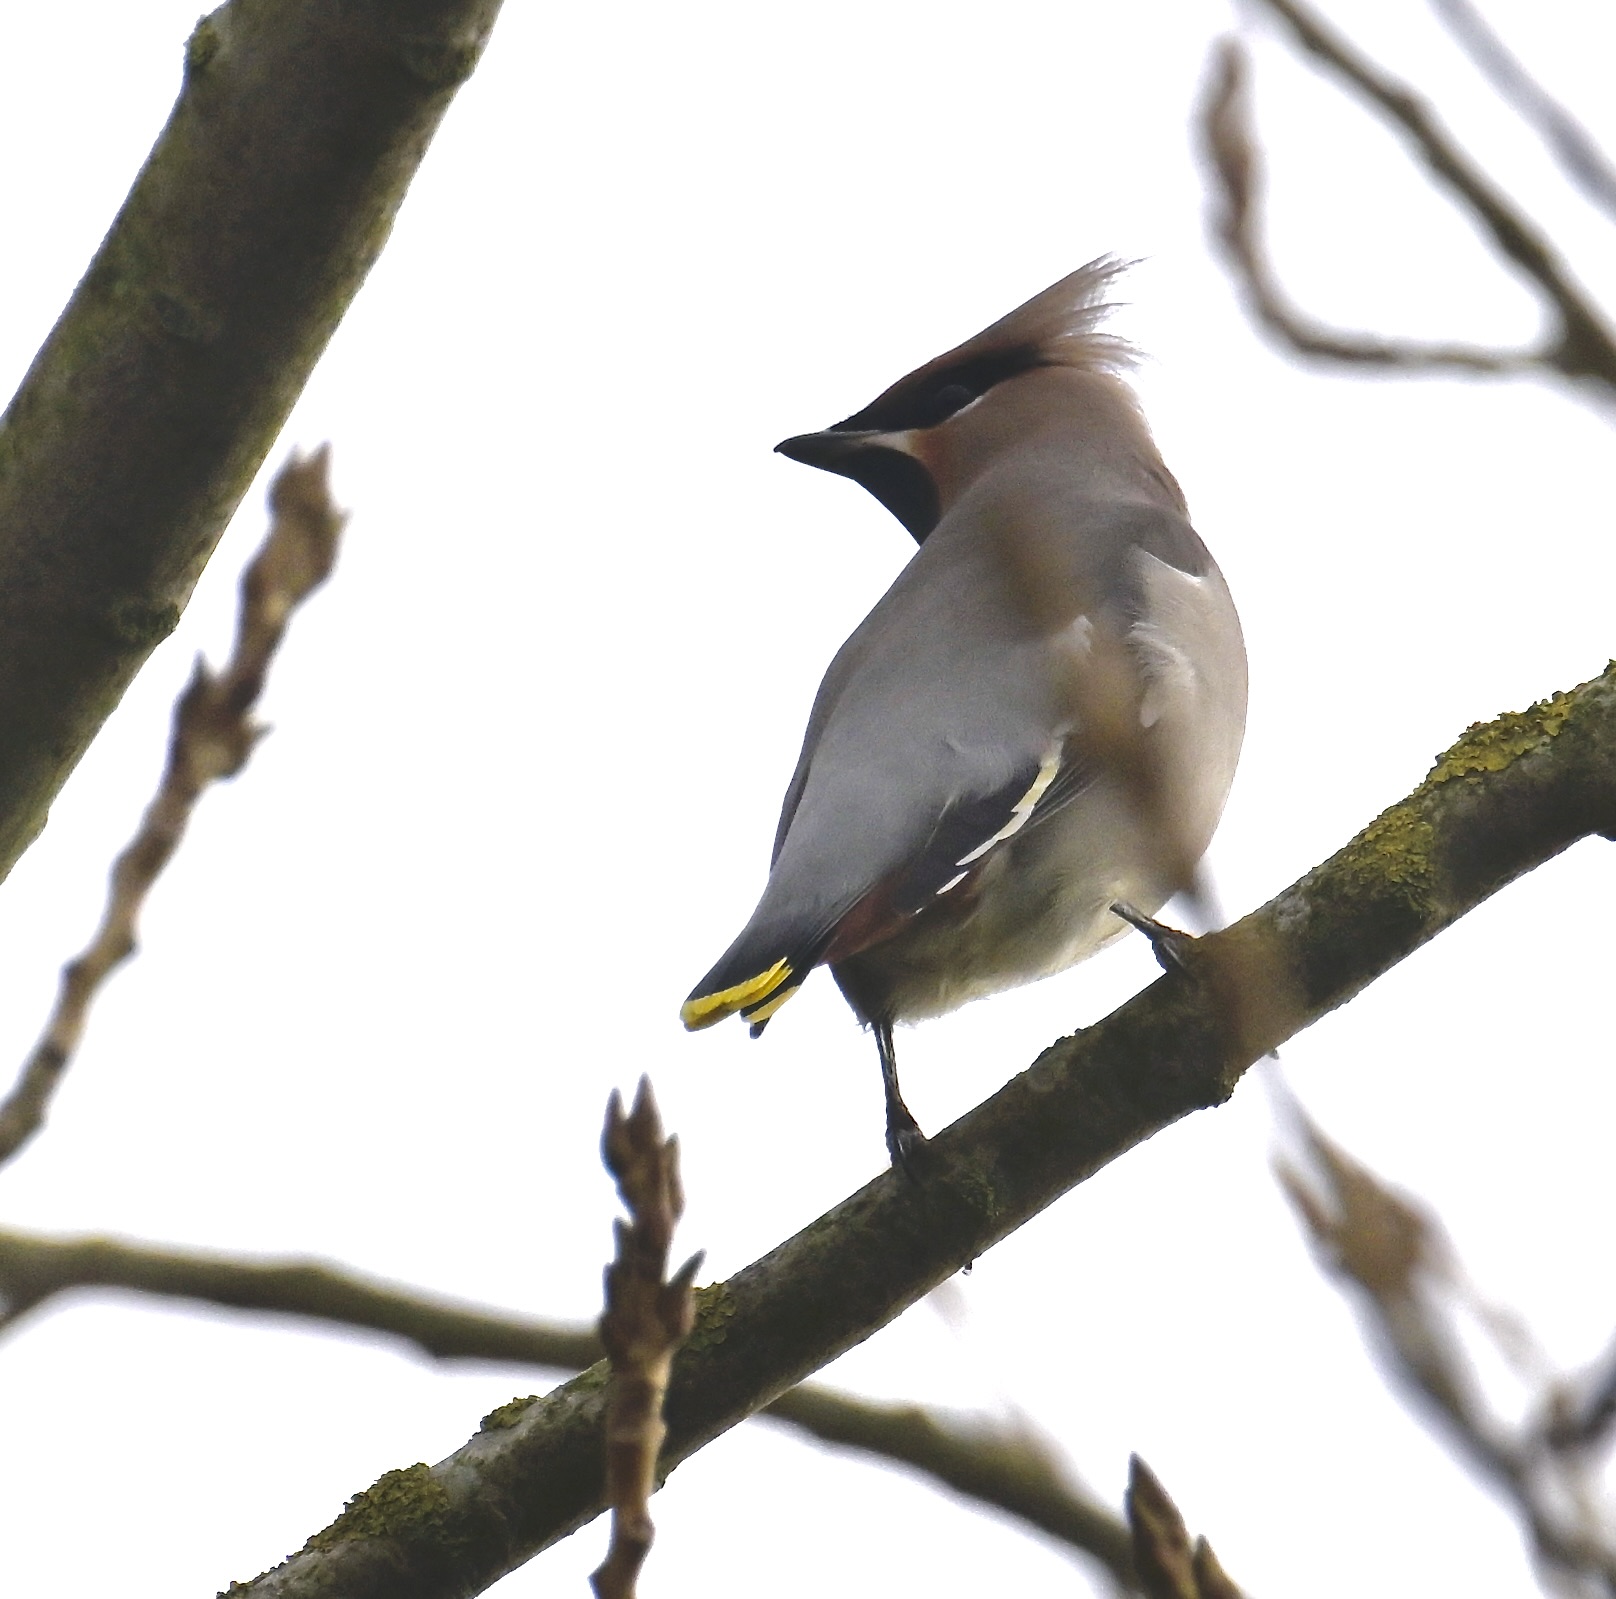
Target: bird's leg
(904, 1137)
(1170, 945)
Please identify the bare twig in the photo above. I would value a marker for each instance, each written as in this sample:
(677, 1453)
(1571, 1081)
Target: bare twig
(1008, 1468)
(647, 1317)
(35, 1269)
(1170, 1567)
(1225, 121)
(1572, 145)
(1391, 1249)
(1578, 343)
(212, 736)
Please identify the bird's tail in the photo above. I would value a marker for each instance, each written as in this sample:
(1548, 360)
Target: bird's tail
(756, 997)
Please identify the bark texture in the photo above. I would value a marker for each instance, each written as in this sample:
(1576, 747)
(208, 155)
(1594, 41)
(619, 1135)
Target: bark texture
(165, 382)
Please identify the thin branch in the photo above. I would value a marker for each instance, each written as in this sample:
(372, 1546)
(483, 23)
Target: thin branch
(1509, 795)
(1226, 136)
(1579, 345)
(1586, 1423)
(647, 1317)
(1008, 1468)
(36, 1269)
(1004, 1468)
(166, 380)
(1393, 1252)
(1579, 156)
(212, 736)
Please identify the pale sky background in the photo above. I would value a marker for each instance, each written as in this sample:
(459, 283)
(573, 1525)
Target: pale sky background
(529, 748)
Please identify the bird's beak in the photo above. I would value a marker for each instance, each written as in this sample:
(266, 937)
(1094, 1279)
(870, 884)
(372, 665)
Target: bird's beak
(883, 462)
(830, 449)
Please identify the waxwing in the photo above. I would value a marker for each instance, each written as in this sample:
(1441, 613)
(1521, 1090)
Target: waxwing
(1029, 741)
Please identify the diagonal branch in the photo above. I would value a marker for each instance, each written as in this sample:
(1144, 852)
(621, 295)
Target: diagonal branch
(1509, 795)
(212, 737)
(1008, 1469)
(1572, 145)
(163, 385)
(1578, 345)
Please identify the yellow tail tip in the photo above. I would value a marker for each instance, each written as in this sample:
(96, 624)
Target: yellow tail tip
(759, 1014)
(702, 1010)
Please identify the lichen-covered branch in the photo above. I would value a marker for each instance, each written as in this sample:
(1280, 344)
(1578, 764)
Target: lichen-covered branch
(1393, 1255)
(212, 736)
(647, 1316)
(166, 380)
(1007, 1469)
(1509, 795)
(1577, 344)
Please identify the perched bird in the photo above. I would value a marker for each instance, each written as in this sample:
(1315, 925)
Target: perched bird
(1029, 741)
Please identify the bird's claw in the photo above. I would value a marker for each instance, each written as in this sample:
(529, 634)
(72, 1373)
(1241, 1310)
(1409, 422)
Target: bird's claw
(1171, 947)
(905, 1142)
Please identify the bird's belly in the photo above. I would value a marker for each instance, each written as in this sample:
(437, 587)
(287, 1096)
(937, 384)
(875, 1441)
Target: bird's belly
(1041, 903)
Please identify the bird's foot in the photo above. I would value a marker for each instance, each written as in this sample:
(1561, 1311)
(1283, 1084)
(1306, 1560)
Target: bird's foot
(1171, 946)
(905, 1142)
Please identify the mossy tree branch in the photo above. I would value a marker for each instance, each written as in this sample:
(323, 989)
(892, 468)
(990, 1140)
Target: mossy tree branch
(1007, 1467)
(165, 382)
(1510, 795)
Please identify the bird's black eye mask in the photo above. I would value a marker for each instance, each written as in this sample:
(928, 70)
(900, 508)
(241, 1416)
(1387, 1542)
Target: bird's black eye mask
(935, 393)
(922, 400)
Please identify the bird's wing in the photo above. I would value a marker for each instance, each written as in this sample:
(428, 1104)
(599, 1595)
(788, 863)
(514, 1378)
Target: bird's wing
(944, 726)
(790, 935)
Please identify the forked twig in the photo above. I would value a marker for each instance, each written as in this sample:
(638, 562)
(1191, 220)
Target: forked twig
(212, 735)
(1232, 151)
(1577, 343)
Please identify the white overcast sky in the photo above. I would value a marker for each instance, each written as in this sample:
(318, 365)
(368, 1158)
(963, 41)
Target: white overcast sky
(529, 748)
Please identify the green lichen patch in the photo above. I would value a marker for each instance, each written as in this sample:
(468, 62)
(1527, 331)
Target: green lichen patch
(715, 1309)
(1491, 746)
(408, 1503)
(202, 46)
(1380, 888)
(439, 63)
(139, 626)
(508, 1414)
(1394, 852)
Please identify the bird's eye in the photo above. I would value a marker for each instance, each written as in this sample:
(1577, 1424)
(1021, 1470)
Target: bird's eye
(942, 404)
